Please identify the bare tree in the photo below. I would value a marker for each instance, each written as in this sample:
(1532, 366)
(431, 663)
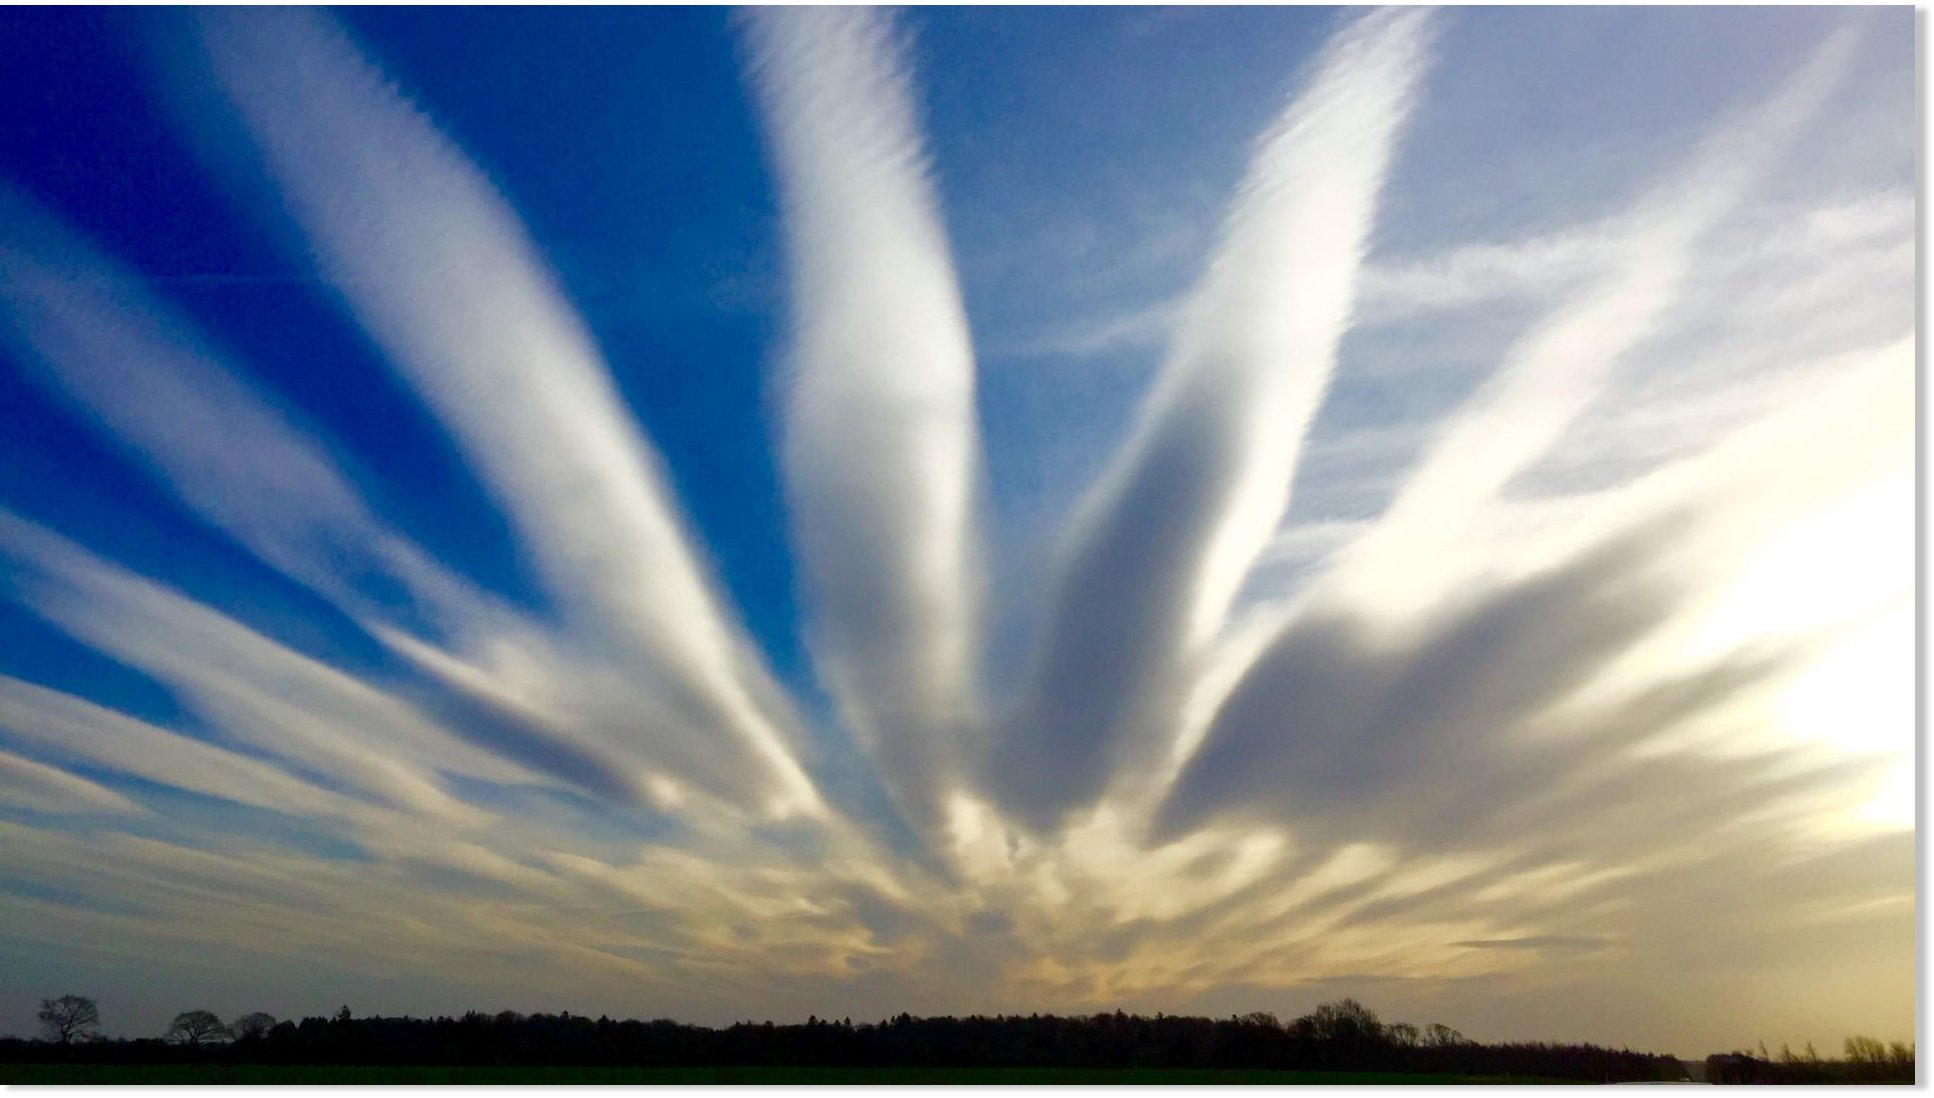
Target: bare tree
(196, 1027)
(1439, 1035)
(69, 1018)
(254, 1025)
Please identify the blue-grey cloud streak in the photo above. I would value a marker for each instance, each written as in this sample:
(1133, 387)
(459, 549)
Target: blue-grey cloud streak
(1156, 551)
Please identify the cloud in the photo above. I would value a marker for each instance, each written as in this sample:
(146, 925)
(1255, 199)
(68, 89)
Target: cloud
(1555, 371)
(1156, 550)
(881, 455)
(157, 389)
(105, 344)
(75, 730)
(1147, 327)
(435, 266)
(37, 787)
(1539, 683)
(1473, 274)
(1342, 703)
(256, 690)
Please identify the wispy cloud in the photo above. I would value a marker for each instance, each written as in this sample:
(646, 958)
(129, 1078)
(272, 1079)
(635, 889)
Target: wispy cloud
(1474, 274)
(37, 787)
(436, 267)
(1471, 708)
(159, 390)
(881, 450)
(1147, 327)
(1539, 680)
(73, 730)
(257, 691)
(1157, 549)
(1562, 365)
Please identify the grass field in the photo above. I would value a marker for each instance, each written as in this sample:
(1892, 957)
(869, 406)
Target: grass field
(262, 1075)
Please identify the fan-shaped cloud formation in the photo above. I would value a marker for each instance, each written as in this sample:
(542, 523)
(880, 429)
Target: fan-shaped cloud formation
(1484, 619)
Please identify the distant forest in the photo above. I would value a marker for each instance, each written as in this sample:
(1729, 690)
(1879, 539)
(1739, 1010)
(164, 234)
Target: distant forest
(1338, 1036)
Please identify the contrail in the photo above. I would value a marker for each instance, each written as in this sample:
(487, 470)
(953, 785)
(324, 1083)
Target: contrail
(436, 267)
(100, 341)
(1393, 591)
(1159, 546)
(1551, 375)
(257, 690)
(97, 339)
(881, 454)
(75, 729)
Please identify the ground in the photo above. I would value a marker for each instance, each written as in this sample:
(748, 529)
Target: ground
(267, 1075)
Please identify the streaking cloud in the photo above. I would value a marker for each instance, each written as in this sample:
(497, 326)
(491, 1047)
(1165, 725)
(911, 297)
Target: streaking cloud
(161, 391)
(437, 269)
(106, 344)
(881, 450)
(1158, 548)
(1560, 367)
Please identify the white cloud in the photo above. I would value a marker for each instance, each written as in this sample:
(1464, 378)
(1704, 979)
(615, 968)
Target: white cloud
(38, 787)
(438, 270)
(1474, 274)
(140, 370)
(880, 451)
(1157, 549)
(76, 730)
(1554, 372)
(258, 691)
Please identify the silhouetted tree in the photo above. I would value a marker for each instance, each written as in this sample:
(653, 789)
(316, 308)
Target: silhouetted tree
(1343, 1020)
(196, 1027)
(253, 1026)
(1104, 1040)
(69, 1018)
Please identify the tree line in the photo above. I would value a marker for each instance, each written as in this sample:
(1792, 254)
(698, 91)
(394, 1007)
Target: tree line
(1865, 1060)
(1337, 1036)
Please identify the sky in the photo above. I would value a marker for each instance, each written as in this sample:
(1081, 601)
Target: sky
(716, 515)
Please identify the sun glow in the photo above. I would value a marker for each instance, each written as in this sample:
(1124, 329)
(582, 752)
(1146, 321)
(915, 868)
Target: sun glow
(1846, 561)
(1859, 698)
(1846, 573)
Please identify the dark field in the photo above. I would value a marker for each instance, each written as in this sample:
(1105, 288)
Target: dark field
(267, 1075)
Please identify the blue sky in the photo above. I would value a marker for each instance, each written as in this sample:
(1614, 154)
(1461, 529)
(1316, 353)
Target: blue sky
(677, 512)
